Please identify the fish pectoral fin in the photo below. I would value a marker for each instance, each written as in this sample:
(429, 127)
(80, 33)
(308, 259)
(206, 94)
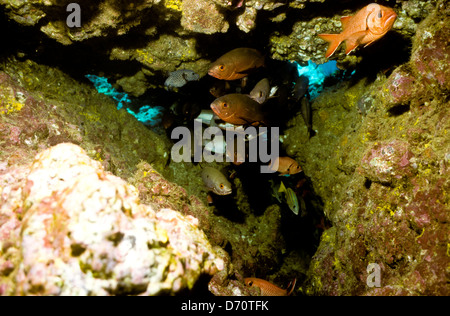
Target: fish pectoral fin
(242, 73)
(369, 43)
(246, 120)
(334, 39)
(353, 41)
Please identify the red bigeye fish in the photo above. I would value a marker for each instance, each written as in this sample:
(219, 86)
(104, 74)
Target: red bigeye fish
(269, 289)
(238, 109)
(285, 165)
(365, 27)
(236, 64)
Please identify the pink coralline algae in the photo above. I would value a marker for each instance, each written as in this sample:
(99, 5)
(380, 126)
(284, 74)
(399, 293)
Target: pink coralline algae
(14, 134)
(85, 232)
(432, 55)
(400, 87)
(387, 162)
(427, 73)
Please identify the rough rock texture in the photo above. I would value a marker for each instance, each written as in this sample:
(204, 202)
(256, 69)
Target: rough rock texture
(105, 18)
(84, 232)
(166, 53)
(165, 35)
(383, 175)
(202, 16)
(44, 107)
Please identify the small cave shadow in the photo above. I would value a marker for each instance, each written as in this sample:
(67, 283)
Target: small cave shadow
(199, 289)
(17, 38)
(212, 47)
(382, 56)
(226, 206)
(399, 109)
(302, 232)
(255, 186)
(78, 59)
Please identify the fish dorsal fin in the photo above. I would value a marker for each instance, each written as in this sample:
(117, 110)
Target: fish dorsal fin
(282, 188)
(344, 21)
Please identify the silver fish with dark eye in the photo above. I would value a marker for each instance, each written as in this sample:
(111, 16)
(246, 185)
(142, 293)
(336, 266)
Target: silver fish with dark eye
(216, 181)
(179, 78)
(261, 91)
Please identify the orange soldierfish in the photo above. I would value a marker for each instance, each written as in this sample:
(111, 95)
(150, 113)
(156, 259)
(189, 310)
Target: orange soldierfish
(236, 64)
(269, 289)
(365, 27)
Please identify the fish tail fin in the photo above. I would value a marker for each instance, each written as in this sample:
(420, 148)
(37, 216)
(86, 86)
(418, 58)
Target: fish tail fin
(291, 287)
(334, 40)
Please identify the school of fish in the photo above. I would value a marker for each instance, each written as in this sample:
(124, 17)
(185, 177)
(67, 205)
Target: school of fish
(234, 109)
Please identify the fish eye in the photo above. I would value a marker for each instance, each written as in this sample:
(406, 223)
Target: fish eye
(221, 67)
(225, 105)
(221, 186)
(380, 14)
(250, 283)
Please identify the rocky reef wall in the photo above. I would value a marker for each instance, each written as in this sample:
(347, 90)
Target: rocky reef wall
(380, 163)
(128, 39)
(377, 168)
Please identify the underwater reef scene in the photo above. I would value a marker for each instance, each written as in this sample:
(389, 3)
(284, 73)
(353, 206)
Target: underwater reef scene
(102, 192)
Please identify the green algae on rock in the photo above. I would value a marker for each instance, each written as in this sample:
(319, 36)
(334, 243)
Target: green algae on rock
(384, 188)
(59, 109)
(202, 16)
